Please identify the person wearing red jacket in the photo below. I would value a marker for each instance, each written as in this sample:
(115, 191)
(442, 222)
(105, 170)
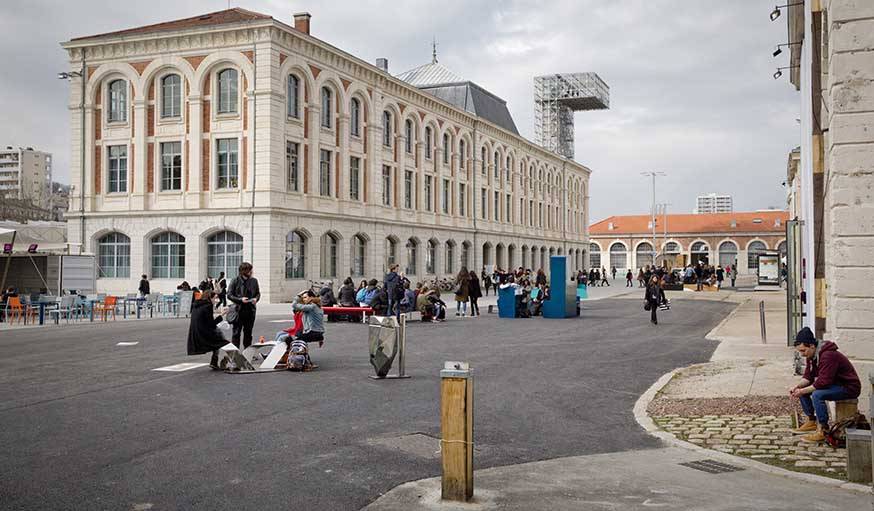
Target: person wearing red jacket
(829, 376)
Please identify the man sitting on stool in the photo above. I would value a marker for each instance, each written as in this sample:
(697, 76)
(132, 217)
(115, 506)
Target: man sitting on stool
(829, 376)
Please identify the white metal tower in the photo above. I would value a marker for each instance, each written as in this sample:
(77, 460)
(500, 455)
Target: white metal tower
(556, 98)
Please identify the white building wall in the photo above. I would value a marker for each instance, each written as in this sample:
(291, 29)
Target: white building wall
(264, 56)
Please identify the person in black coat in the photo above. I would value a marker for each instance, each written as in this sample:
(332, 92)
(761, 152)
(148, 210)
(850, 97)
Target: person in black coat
(474, 293)
(203, 333)
(653, 299)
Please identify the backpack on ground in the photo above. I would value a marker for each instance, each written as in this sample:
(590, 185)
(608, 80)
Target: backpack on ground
(298, 356)
(836, 435)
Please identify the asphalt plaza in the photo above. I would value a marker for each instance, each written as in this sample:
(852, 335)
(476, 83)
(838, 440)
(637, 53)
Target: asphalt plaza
(87, 424)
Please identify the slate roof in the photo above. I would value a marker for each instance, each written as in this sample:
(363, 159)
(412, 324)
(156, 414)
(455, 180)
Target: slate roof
(430, 74)
(698, 224)
(434, 78)
(228, 16)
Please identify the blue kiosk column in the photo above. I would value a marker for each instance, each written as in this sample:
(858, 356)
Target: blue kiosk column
(562, 302)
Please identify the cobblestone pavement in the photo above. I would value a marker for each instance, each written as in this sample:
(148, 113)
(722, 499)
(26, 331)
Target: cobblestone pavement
(767, 438)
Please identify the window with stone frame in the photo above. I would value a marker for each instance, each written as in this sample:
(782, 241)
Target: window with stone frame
(227, 91)
(171, 166)
(227, 163)
(171, 96)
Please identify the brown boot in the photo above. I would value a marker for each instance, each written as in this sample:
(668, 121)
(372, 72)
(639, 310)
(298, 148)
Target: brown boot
(816, 437)
(807, 427)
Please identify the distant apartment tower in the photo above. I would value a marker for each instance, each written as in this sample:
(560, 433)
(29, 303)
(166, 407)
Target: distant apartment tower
(713, 203)
(26, 174)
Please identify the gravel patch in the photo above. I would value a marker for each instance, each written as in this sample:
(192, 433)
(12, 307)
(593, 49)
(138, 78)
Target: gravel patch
(749, 405)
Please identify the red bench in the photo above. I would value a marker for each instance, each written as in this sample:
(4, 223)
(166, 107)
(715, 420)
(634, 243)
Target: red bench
(337, 311)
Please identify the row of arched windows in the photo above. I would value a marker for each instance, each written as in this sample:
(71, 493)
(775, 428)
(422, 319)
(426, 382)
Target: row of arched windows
(225, 253)
(727, 253)
(167, 252)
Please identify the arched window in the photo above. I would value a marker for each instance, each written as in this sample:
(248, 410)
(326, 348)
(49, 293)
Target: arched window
(295, 255)
(449, 257)
(412, 255)
(462, 156)
(227, 91)
(327, 107)
(525, 257)
(171, 96)
(508, 168)
(753, 250)
(386, 128)
(497, 163)
(359, 249)
(113, 259)
(431, 258)
(699, 252)
(500, 262)
(782, 248)
(293, 99)
(329, 251)
(485, 159)
(465, 254)
(672, 247)
(727, 253)
(117, 101)
(644, 255)
(511, 256)
(408, 135)
(391, 252)
(429, 142)
(355, 117)
(487, 253)
(224, 253)
(168, 256)
(446, 149)
(618, 256)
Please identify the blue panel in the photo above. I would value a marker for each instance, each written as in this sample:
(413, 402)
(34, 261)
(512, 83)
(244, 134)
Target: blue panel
(562, 301)
(506, 303)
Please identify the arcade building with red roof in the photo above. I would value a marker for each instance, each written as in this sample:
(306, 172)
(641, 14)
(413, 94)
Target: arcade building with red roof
(626, 241)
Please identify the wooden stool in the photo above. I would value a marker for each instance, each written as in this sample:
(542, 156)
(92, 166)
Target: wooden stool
(845, 408)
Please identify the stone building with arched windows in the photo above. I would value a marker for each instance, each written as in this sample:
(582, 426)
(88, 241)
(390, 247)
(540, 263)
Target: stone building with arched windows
(626, 242)
(203, 142)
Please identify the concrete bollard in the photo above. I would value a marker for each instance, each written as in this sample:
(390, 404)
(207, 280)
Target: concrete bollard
(456, 420)
(859, 455)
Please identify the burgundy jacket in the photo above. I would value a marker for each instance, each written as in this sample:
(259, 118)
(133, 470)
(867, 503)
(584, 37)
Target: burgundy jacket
(831, 367)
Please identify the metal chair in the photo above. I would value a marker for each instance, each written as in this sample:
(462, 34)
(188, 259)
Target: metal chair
(67, 307)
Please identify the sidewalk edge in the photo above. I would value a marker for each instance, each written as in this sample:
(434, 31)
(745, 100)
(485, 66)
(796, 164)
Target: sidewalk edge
(711, 335)
(645, 421)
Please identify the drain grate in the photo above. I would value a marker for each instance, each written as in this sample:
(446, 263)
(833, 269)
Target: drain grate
(711, 466)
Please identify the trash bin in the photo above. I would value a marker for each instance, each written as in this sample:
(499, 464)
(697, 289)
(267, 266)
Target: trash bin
(507, 302)
(383, 336)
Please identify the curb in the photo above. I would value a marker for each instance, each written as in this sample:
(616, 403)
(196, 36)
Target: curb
(646, 422)
(710, 335)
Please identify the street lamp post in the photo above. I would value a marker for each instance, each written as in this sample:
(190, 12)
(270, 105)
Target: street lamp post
(65, 75)
(653, 174)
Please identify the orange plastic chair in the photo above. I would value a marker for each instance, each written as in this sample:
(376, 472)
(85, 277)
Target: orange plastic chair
(14, 308)
(108, 306)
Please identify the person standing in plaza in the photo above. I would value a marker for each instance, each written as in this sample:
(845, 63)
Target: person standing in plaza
(733, 274)
(629, 279)
(653, 299)
(245, 294)
(613, 271)
(473, 293)
(144, 286)
(462, 291)
(486, 281)
(391, 282)
(720, 276)
(221, 285)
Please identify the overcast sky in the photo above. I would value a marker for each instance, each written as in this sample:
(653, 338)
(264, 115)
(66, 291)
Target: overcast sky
(691, 86)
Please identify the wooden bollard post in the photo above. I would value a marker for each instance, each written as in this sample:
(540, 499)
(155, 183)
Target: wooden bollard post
(456, 419)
